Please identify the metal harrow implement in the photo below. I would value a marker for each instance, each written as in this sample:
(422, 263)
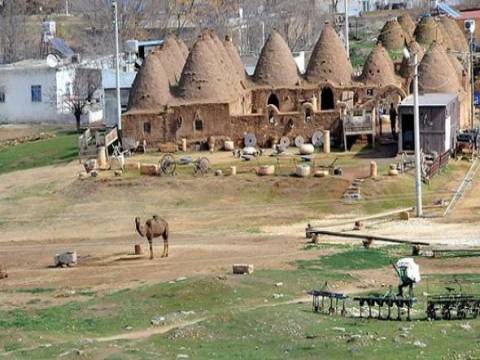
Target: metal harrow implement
(449, 305)
(390, 301)
(318, 302)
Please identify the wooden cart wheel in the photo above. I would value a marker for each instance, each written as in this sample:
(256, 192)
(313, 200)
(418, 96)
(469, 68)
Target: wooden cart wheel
(167, 165)
(201, 166)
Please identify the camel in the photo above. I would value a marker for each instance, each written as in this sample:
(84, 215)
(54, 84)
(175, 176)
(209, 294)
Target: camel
(154, 227)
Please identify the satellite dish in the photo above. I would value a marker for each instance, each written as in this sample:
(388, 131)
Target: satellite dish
(250, 140)
(52, 61)
(317, 138)
(299, 141)
(285, 141)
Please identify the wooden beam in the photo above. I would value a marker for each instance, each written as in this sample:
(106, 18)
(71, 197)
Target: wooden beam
(363, 237)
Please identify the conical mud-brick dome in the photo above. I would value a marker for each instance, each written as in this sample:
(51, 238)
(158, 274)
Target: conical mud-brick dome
(203, 78)
(235, 58)
(407, 24)
(436, 72)
(172, 59)
(459, 41)
(428, 31)
(379, 69)
(392, 36)
(448, 42)
(406, 70)
(151, 89)
(229, 70)
(329, 61)
(183, 48)
(276, 66)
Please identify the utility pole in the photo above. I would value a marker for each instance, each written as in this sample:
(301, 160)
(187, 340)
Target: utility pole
(117, 66)
(416, 129)
(66, 8)
(347, 41)
(472, 79)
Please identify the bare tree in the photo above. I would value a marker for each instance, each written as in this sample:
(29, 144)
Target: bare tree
(12, 31)
(84, 93)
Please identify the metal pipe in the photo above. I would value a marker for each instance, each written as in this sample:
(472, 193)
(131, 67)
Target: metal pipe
(472, 78)
(117, 67)
(347, 41)
(416, 126)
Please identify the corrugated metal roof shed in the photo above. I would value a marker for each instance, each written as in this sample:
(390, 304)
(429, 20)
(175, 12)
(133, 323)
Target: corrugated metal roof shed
(430, 99)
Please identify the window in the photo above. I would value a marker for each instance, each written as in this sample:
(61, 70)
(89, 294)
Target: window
(2, 96)
(273, 100)
(147, 127)
(36, 93)
(327, 99)
(198, 124)
(308, 115)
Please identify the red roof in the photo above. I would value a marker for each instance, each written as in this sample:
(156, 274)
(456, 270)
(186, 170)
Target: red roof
(469, 14)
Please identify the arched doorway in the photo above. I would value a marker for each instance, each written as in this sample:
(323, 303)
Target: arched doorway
(327, 100)
(273, 100)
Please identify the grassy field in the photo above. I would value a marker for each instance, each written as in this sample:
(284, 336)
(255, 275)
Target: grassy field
(241, 317)
(60, 149)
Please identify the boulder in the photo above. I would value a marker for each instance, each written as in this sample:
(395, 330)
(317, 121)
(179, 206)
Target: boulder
(302, 170)
(265, 170)
(228, 145)
(149, 169)
(306, 149)
(242, 269)
(321, 173)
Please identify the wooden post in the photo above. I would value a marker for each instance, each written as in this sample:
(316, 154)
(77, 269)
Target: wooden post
(233, 170)
(326, 141)
(184, 145)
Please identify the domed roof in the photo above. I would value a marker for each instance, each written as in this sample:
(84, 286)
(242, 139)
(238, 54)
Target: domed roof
(230, 71)
(428, 31)
(237, 62)
(457, 36)
(203, 77)
(406, 70)
(172, 59)
(392, 36)
(437, 73)
(456, 65)
(407, 24)
(448, 42)
(183, 48)
(379, 69)
(150, 88)
(276, 66)
(329, 61)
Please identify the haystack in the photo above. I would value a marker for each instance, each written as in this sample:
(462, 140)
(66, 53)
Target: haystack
(276, 66)
(428, 31)
(329, 61)
(151, 88)
(459, 40)
(392, 36)
(436, 72)
(379, 69)
(203, 77)
(407, 24)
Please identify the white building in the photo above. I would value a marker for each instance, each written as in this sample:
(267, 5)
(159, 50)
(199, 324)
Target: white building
(109, 83)
(33, 91)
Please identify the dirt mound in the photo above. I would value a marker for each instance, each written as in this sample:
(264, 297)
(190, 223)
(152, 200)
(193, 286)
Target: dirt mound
(276, 66)
(437, 73)
(428, 31)
(203, 77)
(151, 88)
(392, 36)
(407, 24)
(329, 61)
(235, 58)
(379, 69)
(457, 36)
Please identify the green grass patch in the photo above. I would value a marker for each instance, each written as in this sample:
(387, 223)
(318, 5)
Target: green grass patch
(354, 259)
(60, 149)
(35, 290)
